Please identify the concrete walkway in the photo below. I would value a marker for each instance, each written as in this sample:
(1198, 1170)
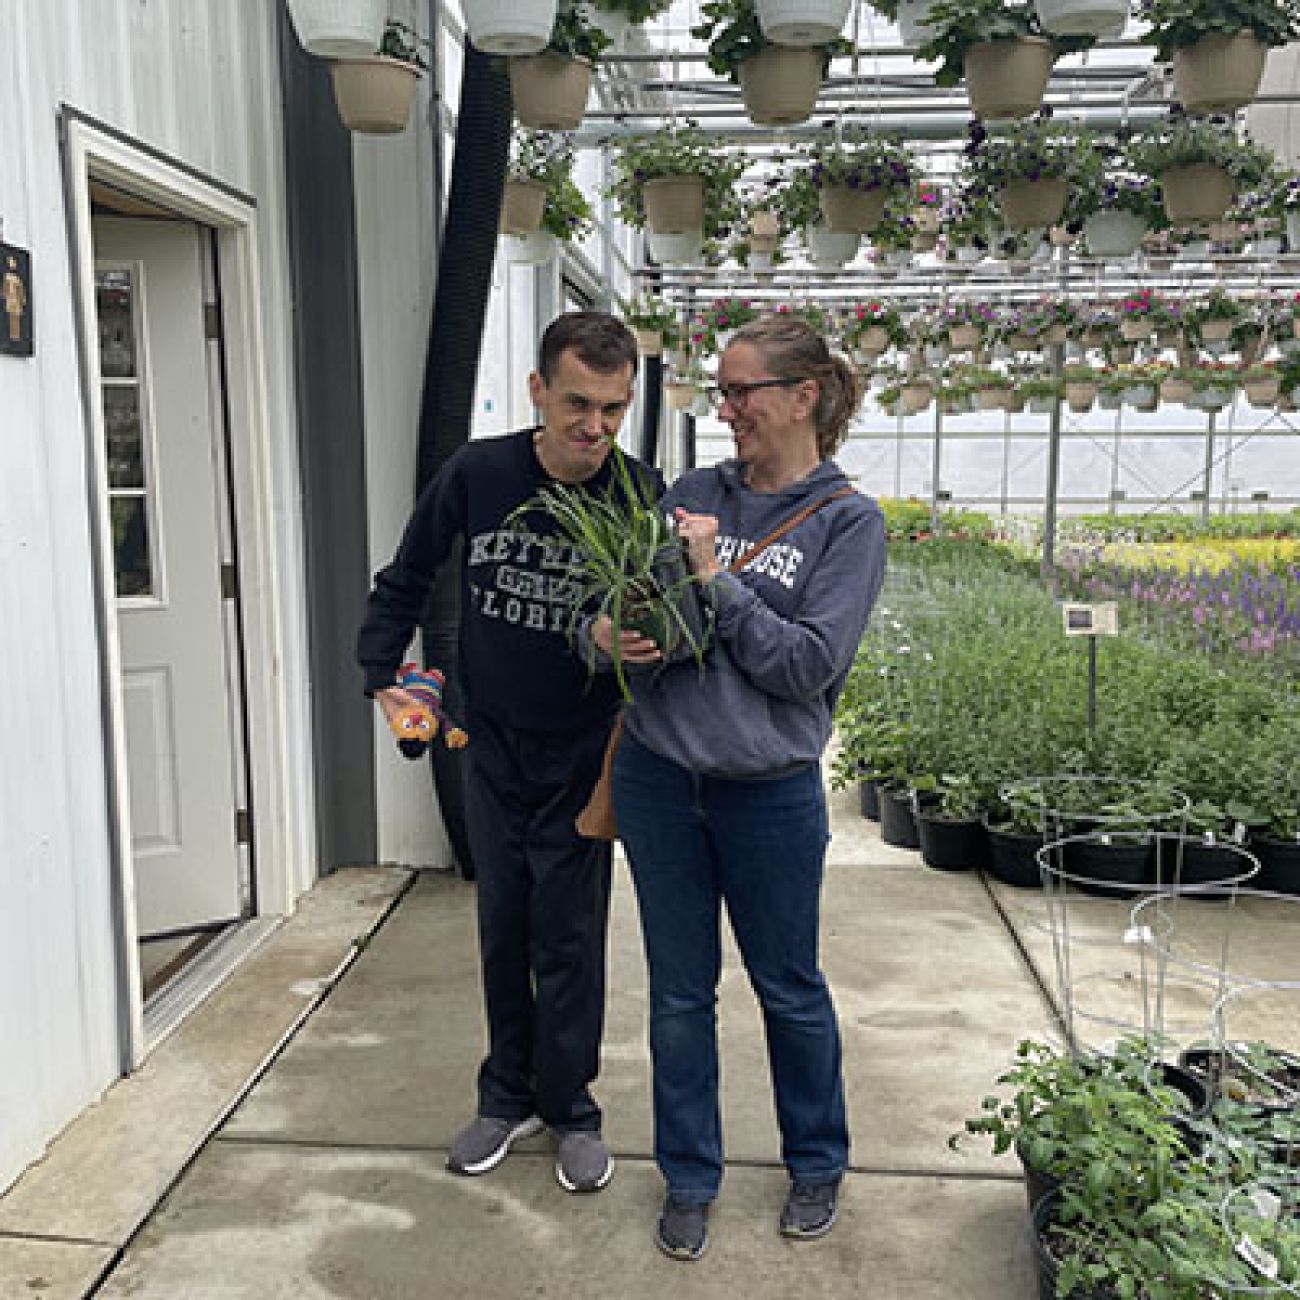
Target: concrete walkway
(327, 1180)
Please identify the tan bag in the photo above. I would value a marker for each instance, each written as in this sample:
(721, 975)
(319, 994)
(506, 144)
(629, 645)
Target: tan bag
(596, 821)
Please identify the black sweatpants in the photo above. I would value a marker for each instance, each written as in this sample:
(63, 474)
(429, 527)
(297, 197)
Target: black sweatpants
(543, 908)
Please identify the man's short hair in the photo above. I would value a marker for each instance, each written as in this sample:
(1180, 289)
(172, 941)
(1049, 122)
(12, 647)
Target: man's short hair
(601, 341)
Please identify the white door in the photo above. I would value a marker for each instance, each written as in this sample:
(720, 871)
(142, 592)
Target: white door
(165, 485)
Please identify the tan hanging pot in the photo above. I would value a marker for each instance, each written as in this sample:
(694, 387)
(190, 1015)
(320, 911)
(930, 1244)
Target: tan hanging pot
(549, 90)
(873, 340)
(1176, 390)
(1216, 330)
(650, 343)
(374, 95)
(522, 202)
(1198, 192)
(779, 84)
(853, 211)
(1262, 392)
(1026, 204)
(1080, 396)
(1219, 73)
(1007, 78)
(674, 205)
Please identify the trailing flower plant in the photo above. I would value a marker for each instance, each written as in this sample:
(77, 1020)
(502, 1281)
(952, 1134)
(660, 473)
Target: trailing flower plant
(651, 312)
(402, 42)
(1033, 149)
(862, 162)
(1182, 141)
(875, 313)
(731, 30)
(719, 317)
(1178, 24)
(547, 158)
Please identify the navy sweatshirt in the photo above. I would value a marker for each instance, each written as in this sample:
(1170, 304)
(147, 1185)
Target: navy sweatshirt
(517, 664)
(788, 627)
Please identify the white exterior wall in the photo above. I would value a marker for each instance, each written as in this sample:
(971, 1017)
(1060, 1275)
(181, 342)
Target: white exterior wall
(199, 81)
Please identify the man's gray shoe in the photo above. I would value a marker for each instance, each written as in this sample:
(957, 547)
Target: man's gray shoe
(583, 1162)
(683, 1231)
(810, 1210)
(485, 1142)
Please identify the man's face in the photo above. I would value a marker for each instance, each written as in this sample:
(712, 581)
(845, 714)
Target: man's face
(581, 412)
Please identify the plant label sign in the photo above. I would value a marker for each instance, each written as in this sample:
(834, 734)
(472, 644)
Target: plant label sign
(1101, 619)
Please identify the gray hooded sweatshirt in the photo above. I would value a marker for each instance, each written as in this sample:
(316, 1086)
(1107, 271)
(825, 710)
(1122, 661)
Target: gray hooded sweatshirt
(788, 627)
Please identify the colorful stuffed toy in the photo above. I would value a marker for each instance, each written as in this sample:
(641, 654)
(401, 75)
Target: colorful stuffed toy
(416, 727)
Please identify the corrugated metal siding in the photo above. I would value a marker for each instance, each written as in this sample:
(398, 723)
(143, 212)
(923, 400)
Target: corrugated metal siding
(197, 80)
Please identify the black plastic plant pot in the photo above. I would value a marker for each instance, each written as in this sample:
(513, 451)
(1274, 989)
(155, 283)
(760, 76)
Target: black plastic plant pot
(1186, 1083)
(897, 820)
(1206, 864)
(1211, 1066)
(1042, 1215)
(1038, 1182)
(1279, 865)
(869, 797)
(950, 844)
(1109, 870)
(674, 616)
(1013, 857)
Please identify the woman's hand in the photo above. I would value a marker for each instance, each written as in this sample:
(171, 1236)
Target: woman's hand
(700, 533)
(395, 702)
(633, 648)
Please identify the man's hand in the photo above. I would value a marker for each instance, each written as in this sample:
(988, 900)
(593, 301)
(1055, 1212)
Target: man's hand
(700, 533)
(633, 648)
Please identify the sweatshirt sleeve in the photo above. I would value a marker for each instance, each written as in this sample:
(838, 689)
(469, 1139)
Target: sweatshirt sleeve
(400, 589)
(799, 659)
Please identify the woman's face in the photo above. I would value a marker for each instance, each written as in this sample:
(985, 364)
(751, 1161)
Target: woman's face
(762, 409)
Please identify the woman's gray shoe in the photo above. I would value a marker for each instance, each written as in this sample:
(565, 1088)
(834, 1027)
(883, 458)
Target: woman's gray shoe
(485, 1142)
(810, 1210)
(583, 1162)
(683, 1231)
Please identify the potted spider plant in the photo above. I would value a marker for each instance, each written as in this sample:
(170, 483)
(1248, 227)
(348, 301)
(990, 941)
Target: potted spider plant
(629, 565)
(374, 94)
(550, 88)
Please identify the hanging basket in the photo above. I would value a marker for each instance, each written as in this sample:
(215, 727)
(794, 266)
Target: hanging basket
(1026, 204)
(779, 85)
(508, 27)
(1081, 17)
(522, 202)
(1175, 390)
(549, 91)
(339, 29)
(674, 205)
(1199, 192)
(532, 250)
(873, 340)
(650, 343)
(374, 95)
(802, 22)
(1216, 331)
(1080, 397)
(1219, 73)
(678, 397)
(1261, 393)
(831, 247)
(1114, 234)
(683, 249)
(1007, 78)
(912, 26)
(1135, 329)
(964, 338)
(855, 211)
(614, 23)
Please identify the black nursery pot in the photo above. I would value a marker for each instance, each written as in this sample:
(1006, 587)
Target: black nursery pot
(1279, 865)
(1103, 869)
(897, 820)
(1013, 857)
(1047, 1265)
(952, 845)
(1205, 864)
(869, 797)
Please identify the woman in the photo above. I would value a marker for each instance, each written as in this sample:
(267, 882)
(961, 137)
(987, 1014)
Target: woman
(717, 783)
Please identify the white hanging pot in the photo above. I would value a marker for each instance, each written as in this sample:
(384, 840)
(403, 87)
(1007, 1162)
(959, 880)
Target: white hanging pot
(1080, 17)
(509, 26)
(760, 261)
(911, 21)
(1293, 231)
(614, 23)
(682, 249)
(1114, 233)
(533, 250)
(339, 29)
(1265, 246)
(802, 22)
(831, 247)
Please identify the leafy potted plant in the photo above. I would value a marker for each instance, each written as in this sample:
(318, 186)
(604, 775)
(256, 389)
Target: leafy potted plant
(1115, 207)
(778, 82)
(616, 17)
(798, 202)
(1081, 384)
(1041, 395)
(1262, 384)
(1199, 164)
(721, 319)
(374, 95)
(535, 160)
(872, 328)
(1210, 320)
(675, 181)
(630, 565)
(856, 176)
(1028, 168)
(654, 322)
(1218, 47)
(550, 89)
(950, 832)
(998, 49)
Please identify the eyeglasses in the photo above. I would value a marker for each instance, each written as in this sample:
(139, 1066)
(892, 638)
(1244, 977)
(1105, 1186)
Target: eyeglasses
(738, 394)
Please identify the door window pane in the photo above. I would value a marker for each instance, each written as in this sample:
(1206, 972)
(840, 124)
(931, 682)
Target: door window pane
(131, 546)
(125, 446)
(114, 305)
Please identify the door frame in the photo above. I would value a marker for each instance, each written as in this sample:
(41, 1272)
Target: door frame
(94, 151)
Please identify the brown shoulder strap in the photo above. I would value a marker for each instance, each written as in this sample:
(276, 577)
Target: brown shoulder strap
(781, 529)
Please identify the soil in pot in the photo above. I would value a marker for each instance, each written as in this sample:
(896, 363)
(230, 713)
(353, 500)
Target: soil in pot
(950, 843)
(1013, 857)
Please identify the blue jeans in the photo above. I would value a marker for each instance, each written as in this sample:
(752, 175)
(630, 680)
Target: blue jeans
(695, 842)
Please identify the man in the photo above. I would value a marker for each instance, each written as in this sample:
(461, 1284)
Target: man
(538, 722)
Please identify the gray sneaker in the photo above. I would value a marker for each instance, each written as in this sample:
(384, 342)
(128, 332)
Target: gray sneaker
(810, 1210)
(583, 1162)
(485, 1142)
